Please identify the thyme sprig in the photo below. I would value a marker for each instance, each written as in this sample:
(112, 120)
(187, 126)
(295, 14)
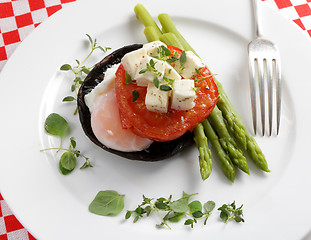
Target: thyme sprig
(80, 70)
(173, 211)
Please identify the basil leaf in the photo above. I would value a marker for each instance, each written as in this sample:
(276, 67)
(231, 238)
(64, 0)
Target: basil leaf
(107, 203)
(180, 205)
(56, 125)
(64, 170)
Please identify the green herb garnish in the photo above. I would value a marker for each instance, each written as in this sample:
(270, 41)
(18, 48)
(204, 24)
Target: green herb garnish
(56, 125)
(135, 95)
(107, 203)
(173, 211)
(231, 212)
(80, 70)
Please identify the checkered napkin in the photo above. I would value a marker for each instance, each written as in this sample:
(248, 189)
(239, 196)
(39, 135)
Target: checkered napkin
(19, 17)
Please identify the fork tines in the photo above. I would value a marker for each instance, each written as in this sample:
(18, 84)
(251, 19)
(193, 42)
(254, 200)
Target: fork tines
(265, 74)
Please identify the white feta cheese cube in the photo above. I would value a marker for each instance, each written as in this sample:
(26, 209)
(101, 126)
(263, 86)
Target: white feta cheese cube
(145, 77)
(151, 48)
(156, 100)
(187, 70)
(131, 61)
(183, 94)
(171, 73)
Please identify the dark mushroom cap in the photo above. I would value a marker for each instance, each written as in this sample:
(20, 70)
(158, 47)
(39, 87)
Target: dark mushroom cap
(157, 150)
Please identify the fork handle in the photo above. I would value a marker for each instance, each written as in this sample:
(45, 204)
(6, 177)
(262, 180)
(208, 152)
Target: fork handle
(256, 18)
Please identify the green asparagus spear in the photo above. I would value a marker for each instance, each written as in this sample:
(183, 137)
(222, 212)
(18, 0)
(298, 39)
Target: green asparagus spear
(225, 162)
(171, 39)
(145, 18)
(234, 123)
(230, 114)
(227, 142)
(205, 160)
(151, 34)
(168, 26)
(237, 126)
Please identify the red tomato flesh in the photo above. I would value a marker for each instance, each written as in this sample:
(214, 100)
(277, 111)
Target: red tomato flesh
(163, 126)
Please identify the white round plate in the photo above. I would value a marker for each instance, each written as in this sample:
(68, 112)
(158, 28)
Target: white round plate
(53, 206)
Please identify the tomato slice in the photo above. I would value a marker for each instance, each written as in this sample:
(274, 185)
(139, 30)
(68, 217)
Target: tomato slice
(163, 126)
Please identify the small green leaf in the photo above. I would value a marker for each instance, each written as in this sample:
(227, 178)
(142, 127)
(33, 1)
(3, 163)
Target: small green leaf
(73, 87)
(68, 99)
(90, 39)
(177, 217)
(128, 214)
(224, 216)
(180, 205)
(56, 125)
(183, 58)
(128, 79)
(73, 142)
(197, 214)
(165, 51)
(195, 206)
(68, 161)
(165, 88)
(209, 206)
(65, 67)
(156, 82)
(85, 70)
(135, 95)
(161, 205)
(63, 170)
(107, 203)
(143, 71)
(136, 219)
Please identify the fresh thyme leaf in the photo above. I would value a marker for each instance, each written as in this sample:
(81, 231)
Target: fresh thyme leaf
(183, 58)
(85, 70)
(90, 39)
(135, 95)
(156, 82)
(165, 87)
(165, 51)
(128, 79)
(68, 99)
(231, 212)
(80, 70)
(65, 67)
(107, 203)
(143, 71)
(73, 142)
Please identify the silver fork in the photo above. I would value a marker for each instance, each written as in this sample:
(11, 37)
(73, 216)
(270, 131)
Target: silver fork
(265, 70)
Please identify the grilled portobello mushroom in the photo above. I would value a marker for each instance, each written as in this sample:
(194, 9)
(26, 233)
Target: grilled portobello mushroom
(157, 150)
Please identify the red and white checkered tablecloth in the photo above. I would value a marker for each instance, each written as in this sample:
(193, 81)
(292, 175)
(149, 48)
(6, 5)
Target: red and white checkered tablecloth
(19, 17)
